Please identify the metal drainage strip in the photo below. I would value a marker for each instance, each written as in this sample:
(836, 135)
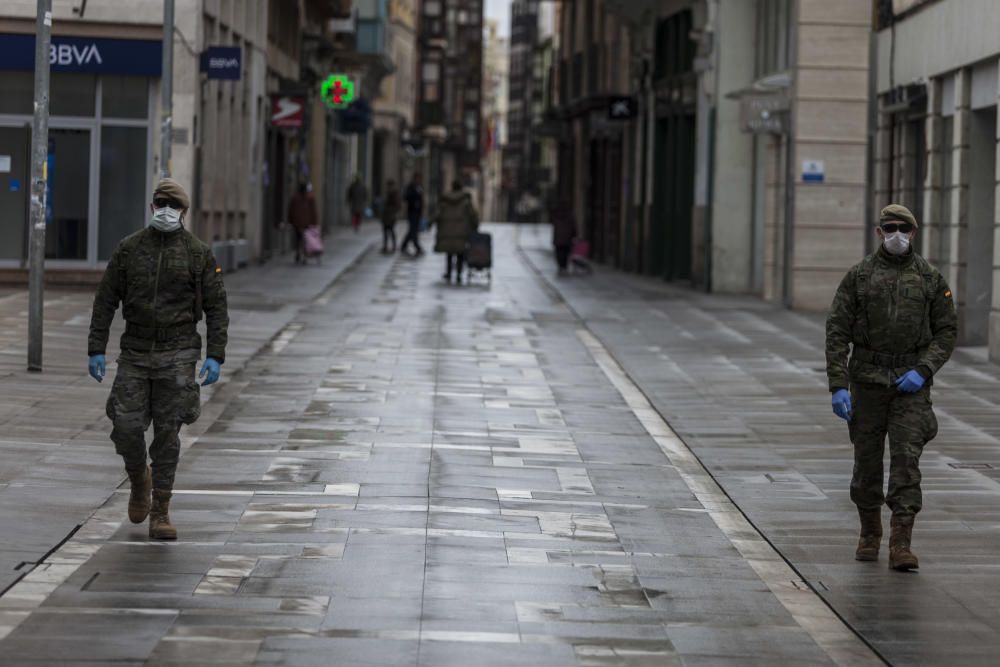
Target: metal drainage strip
(829, 632)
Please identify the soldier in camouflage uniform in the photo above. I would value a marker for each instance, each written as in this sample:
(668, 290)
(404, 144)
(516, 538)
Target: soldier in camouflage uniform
(894, 314)
(164, 277)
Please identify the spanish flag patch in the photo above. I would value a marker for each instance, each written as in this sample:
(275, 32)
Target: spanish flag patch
(218, 269)
(947, 294)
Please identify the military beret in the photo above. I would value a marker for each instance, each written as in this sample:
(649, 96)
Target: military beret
(168, 187)
(897, 212)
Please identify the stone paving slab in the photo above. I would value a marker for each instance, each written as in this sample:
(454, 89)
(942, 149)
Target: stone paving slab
(420, 474)
(744, 384)
(56, 462)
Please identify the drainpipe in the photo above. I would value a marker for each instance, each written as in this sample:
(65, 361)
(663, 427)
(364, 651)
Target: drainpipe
(872, 129)
(788, 254)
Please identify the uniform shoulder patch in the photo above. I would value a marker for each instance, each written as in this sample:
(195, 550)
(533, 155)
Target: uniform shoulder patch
(947, 294)
(218, 269)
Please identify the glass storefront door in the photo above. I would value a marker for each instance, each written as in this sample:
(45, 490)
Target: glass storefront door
(15, 177)
(67, 214)
(99, 171)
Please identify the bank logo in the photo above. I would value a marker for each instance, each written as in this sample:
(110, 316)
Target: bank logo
(71, 54)
(223, 63)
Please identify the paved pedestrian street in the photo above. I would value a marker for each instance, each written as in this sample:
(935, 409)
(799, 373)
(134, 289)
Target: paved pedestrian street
(404, 472)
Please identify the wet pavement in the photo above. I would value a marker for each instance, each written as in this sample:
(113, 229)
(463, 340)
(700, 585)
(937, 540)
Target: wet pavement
(56, 466)
(744, 385)
(412, 473)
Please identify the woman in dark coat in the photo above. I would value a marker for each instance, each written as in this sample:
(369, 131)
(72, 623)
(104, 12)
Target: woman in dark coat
(302, 215)
(390, 211)
(563, 232)
(456, 221)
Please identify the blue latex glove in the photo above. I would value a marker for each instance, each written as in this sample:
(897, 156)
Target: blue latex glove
(212, 369)
(842, 404)
(97, 367)
(911, 382)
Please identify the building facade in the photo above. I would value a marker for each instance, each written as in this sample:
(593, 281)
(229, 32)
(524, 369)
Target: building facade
(449, 106)
(521, 194)
(937, 144)
(718, 143)
(397, 98)
(495, 95)
(104, 152)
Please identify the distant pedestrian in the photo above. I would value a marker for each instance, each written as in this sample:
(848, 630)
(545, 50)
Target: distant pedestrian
(391, 206)
(456, 220)
(563, 231)
(414, 197)
(163, 277)
(357, 199)
(894, 314)
(301, 216)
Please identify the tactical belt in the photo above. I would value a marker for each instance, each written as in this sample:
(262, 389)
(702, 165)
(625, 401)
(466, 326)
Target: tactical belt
(165, 333)
(885, 360)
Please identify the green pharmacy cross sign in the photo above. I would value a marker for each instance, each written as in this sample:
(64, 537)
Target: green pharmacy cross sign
(337, 91)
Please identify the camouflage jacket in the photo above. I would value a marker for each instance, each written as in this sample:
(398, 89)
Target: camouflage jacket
(893, 314)
(159, 278)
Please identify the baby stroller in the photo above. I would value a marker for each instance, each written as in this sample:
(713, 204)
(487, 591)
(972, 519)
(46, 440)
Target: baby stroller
(479, 254)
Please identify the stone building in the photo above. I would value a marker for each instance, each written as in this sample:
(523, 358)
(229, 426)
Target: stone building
(449, 97)
(105, 123)
(718, 143)
(496, 64)
(937, 144)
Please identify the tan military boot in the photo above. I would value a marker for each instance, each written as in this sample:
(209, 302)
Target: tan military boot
(871, 535)
(139, 499)
(900, 556)
(160, 527)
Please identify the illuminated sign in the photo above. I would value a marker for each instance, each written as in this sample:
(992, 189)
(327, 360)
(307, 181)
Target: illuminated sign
(337, 91)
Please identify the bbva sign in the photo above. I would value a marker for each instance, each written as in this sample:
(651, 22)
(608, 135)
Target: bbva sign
(72, 54)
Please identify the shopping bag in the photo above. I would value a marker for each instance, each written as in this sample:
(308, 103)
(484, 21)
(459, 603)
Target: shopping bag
(312, 241)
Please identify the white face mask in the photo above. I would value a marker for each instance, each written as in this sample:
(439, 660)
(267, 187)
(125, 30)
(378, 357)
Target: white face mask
(896, 243)
(166, 219)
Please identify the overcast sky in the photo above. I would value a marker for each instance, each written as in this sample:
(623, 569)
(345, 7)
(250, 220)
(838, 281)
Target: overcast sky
(499, 10)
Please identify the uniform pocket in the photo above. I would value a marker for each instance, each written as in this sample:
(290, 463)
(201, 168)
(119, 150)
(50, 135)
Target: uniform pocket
(190, 403)
(930, 419)
(128, 402)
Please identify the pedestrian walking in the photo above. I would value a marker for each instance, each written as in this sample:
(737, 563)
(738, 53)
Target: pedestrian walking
(163, 277)
(391, 206)
(456, 220)
(894, 316)
(414, 196)
(357, 199)
(301, 216)
(563, 231)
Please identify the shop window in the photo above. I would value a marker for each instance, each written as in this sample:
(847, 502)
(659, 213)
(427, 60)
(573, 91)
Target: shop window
(124, 97)
(18, 92)
(72, 94)
(123, 186)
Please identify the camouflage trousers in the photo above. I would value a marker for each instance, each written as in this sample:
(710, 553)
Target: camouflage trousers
(159, 388)
(908, 420)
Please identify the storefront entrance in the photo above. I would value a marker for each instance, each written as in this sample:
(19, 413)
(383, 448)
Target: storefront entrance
(99, 147)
